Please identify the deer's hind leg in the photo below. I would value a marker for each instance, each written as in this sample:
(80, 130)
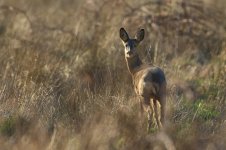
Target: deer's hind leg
(157, 113)
(163, 105)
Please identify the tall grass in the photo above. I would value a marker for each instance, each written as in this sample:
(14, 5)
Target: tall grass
(64, 82)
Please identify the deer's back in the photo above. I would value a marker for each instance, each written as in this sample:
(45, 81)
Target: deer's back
(149, 81)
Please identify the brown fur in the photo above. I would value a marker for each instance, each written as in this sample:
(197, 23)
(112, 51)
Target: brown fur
(149, 81)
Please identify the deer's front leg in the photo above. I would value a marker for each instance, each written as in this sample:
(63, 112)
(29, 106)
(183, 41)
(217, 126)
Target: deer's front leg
(141, 107)
(149, 110)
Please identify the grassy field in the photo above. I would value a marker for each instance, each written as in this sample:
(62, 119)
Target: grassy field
(64, 84)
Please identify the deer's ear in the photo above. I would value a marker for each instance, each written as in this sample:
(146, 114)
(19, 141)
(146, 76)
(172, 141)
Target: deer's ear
(140, 35)
(123, 35)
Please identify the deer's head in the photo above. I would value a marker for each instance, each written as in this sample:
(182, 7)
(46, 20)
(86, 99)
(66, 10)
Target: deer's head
(131, 44)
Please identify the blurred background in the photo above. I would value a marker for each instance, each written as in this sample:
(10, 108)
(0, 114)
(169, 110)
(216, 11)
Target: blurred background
(64, 83)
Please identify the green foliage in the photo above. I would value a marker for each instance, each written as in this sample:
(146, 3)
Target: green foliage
(152, 130)
(200, 110)
(8, 126)
(205, 111)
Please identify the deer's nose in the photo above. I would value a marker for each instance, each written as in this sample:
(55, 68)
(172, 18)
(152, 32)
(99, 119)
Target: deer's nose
(129, 53)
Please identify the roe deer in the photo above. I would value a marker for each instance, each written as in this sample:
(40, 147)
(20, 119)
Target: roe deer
(149, 81)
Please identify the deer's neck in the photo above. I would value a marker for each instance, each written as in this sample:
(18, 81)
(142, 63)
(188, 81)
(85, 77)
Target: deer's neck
(133, 63)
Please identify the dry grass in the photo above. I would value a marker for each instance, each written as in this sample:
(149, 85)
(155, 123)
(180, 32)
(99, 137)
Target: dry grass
(64, 83)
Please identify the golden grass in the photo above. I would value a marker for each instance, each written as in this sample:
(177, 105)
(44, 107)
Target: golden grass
(64, 82)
